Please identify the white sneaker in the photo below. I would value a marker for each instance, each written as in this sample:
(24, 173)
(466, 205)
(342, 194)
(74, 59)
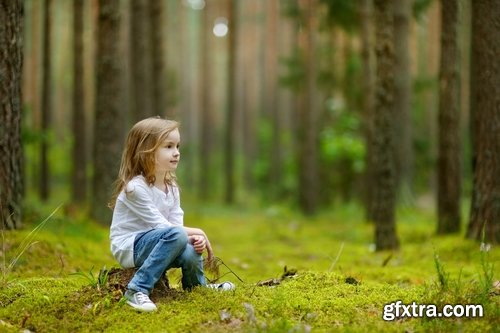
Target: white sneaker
(139, 301)
(224, 286)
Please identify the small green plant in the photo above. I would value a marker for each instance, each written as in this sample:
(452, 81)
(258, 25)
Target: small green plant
(487, 269)
(443, 276)
(97, 282)
(21, 249)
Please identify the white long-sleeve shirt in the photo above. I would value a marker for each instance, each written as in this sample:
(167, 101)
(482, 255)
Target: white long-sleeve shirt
(139, 208)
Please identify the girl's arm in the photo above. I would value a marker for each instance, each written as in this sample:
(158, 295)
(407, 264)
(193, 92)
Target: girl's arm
(198, 232)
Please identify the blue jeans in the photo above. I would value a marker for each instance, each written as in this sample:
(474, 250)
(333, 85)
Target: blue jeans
(158, 250)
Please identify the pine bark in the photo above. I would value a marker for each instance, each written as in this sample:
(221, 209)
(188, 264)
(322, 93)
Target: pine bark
(140, 48)
(11, 149)
(384, 151)
(158, 57)
(206, 136)
(367, 55)
(230, 106)
(46, 112)
(272, 17)
(449, 152)
(109, 119)
(78, 175)
(402, 99)
(485, 101)
(307, 113)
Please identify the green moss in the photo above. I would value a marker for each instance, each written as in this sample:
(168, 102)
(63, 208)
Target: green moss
(340, 285)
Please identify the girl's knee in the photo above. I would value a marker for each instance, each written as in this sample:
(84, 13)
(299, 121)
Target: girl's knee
(177, 235)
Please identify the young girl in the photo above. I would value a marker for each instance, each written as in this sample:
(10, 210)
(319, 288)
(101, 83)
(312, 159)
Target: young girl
(147, 229)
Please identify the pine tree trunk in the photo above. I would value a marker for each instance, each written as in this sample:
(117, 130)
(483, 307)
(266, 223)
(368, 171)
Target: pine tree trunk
(207, 124)
(231, 103)
(366, 16)
(109, 118)
(11, 149)
(307, 114)
(272, 16)
(384, 182)
(78, 177)
(449, 170)
(140, 48)
(157, 55)
(46, 111)
(485, 101)
(402, 99)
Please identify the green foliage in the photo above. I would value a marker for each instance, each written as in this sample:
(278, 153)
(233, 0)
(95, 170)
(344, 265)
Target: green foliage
(419, 8)
(294, 69)
(487, 272)
(342, 13)
(341, 149)
(442, 275)
(290, 9)
(97, 282)
(261, 167)
(342, 141)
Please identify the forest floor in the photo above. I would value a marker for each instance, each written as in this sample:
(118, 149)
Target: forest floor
(293, 274)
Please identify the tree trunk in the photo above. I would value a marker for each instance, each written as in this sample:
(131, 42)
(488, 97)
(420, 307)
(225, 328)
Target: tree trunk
(485, 101)
(157, 55)
(449, 170)
(46, 103)
(109, 118)
(78, 177)
(252, 44)
(384, 182)
(272, 15)
(307, 114)
(402, 99)
(140, 48)
(231, 103)
(368, 82)
(11, 149)
(207, 121)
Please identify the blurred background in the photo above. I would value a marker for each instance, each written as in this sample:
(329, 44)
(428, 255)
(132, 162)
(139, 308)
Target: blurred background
(307, 104)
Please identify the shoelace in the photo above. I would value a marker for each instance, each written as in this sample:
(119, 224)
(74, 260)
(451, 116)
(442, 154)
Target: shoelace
(142, 298)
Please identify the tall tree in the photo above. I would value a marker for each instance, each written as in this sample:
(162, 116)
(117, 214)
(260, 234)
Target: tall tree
(271, 91)
(157, 57)
(229, 154)
(402, 98)
(78, 174)
(307, 154)
(485, 102)
(140, 48)
(449, 170)
(11, 149)
(252, 85)
(368, 82)
(46, 102)
(109, 120)
(206, 135)
(384, 176)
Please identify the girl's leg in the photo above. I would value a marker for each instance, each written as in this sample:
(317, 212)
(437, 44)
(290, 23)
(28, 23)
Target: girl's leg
(191, 264)
(154, 251)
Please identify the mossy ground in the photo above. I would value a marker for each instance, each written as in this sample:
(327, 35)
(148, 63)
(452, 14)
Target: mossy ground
(341, 284)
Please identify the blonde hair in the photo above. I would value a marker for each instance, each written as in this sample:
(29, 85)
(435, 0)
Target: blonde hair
(138, 157)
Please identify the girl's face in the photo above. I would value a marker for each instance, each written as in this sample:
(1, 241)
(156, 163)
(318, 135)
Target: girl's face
(167, 155)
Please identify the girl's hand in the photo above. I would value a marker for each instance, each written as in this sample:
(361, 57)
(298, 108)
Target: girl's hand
(195, 232)
(199, 243)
